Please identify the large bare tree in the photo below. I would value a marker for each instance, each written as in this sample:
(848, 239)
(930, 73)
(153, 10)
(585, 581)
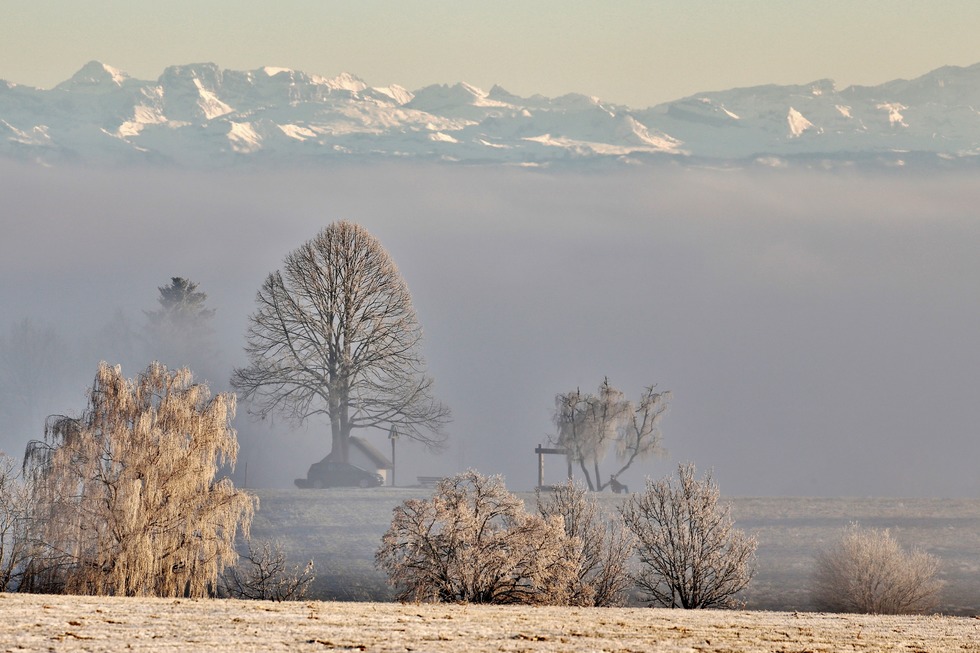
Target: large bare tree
(336, 335)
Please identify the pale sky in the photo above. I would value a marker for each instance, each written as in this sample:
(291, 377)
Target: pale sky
(636, 52)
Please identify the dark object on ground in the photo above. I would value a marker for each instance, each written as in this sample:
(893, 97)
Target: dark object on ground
(328, 473)
(429, 481)
(617, 487)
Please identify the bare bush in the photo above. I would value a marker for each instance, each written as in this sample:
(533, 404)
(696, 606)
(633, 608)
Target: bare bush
(603, 576)
(474, 542)
(691, 555)
(127, 500)
(866, 570)
(264, 575)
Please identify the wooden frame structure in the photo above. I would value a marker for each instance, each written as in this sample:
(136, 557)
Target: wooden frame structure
(541, 451)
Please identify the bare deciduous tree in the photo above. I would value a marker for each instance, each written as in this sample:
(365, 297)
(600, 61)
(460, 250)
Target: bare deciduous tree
(691, 556)
(866, 570)
(264, 575)
(127, 500)
(335, 334)
(15, 502)
(588, 425)
(474, 542)
(603, 576)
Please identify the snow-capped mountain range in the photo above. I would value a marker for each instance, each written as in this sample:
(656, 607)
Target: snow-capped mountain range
(203, 116)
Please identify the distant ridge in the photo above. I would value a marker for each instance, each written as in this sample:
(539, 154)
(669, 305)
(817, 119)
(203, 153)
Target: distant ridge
(203, 116)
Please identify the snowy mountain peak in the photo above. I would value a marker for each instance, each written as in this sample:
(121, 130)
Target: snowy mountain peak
(459, 100)
(823, 86)
(203, 115)
(347, 82)
(94, 76)
(272, 71)
(797, 123)
(501, 94)
(399, 94)
(208, 74)
(473, 90)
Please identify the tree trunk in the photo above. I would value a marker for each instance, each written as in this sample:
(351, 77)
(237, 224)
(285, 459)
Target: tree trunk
(338, 434)
(588, 478)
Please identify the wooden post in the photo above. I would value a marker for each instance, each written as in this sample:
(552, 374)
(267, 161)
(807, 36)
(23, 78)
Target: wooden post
(393, 435)
(540, 466)
(541, 451)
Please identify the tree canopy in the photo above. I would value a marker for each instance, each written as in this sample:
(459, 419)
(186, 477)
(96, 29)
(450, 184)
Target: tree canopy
(475, 542)
(335, 335)
(589, 424)
(126, 499)
(690, 553)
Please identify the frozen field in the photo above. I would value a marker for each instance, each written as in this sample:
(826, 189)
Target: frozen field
(341, 528)
(59, 623)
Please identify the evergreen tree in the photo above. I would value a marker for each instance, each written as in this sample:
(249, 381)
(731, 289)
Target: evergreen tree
(179, 333)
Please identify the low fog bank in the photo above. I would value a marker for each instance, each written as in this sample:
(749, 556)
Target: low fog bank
(818, 331)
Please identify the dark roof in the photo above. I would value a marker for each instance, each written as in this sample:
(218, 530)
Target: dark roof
(376, 457)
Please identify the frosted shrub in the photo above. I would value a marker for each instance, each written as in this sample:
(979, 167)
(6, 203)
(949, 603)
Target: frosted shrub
(690, 554)
(127, 500)
(866, 570)
(264, 575)
(602, 578)
(474, 542)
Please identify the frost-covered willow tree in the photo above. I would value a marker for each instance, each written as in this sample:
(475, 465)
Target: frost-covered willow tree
(588, 425)
(126, 500)
(336, 335)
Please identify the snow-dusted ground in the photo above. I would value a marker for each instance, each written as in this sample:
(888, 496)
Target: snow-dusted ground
(341, 528)
(60, 623)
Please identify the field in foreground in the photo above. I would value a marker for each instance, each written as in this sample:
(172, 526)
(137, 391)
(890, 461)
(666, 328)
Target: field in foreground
(37, 622)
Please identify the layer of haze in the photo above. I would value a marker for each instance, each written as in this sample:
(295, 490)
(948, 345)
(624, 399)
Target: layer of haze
(637, 52)
(818, 331)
